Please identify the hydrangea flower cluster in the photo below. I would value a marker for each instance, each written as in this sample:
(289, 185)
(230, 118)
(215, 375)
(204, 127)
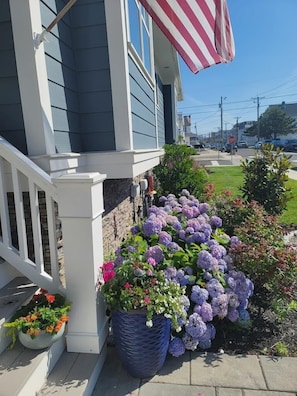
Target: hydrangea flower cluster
(187, 244)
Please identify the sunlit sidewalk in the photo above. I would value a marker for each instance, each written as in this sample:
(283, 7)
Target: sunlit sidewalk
(203, 374)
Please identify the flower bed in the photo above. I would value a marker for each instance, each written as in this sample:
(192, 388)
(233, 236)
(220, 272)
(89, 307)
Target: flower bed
(180, 240)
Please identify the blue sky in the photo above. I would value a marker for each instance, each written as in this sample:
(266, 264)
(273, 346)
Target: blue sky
(265, 65)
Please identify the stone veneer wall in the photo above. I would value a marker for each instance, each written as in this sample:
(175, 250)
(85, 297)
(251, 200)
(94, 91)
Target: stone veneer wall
(121, 212)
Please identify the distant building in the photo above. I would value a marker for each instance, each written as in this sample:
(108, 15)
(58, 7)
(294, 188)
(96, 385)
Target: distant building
(289, 108)
(240, 132)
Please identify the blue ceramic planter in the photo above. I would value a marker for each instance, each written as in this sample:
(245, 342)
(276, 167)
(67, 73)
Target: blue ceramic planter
(142, 349)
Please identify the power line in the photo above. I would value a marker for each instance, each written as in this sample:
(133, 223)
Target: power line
(238, 101)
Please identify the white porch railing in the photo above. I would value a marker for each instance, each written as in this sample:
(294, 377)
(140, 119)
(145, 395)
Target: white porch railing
(28, 221)
(30, 205)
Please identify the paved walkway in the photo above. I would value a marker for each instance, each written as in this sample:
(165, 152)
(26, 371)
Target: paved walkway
(217, 158)
(203, 374)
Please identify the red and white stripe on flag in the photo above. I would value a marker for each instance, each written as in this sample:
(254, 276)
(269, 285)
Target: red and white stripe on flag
(199, 30)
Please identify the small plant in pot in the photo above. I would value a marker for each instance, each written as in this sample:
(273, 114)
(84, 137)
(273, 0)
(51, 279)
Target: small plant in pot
(40, 322)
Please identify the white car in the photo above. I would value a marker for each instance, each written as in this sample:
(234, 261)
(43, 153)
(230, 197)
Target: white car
(242, 144)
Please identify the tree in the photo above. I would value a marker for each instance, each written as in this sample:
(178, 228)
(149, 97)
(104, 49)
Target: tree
(273, 123)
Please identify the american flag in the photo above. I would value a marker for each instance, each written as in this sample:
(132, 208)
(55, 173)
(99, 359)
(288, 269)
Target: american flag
(199, 30)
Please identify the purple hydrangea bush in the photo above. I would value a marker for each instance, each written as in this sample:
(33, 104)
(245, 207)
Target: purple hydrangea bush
(186, 242)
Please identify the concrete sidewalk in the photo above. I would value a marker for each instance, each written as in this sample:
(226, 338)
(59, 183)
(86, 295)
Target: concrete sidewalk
(217, 158)
(203, 374)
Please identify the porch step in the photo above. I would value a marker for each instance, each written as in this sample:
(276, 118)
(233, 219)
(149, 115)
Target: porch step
(12, 296)
(23, 371)
(75, 374)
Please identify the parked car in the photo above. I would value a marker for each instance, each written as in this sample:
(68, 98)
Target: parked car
(291, 145)
(281, 143)
(229, 147)
(259, 144)
(242, 144)
(199, 146)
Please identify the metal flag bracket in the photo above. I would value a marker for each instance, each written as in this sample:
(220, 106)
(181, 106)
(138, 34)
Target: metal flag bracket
(40, 38)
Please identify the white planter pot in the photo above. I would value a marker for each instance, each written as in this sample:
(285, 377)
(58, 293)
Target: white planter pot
(43, 340)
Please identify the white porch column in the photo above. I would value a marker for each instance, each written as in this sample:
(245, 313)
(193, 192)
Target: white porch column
(80, 204)
(32, 77)
(119, 72)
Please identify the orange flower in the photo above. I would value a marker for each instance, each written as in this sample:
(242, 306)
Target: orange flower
(33, 317)
(28, 318)
(31, 331)
(58, 326)
(49, 329)
(64, 318)
(50, 298)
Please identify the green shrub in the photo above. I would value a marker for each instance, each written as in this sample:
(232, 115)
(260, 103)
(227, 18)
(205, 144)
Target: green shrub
(177, 171)
(265, 177)
(232, 210)
(263, 255)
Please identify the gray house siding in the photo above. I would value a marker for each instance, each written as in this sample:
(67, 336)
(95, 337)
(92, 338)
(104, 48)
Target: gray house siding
(79, 81)
(143, 110)
(11, 115)
(160, 112)
(169, 127)
(79, 78)
(93, 76)
(62, 78)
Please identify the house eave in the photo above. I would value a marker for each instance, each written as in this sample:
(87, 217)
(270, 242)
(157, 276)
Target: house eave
(116, 165)
(167, 63)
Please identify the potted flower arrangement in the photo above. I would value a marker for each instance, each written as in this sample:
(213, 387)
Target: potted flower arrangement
(40, 322)
(144, 304)
(186, 243)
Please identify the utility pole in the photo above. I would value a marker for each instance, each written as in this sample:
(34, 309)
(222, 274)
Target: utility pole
(258, 108)
(237, 129)
(221, 107)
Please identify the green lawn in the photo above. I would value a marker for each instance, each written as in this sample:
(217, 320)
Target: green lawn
(231, 178)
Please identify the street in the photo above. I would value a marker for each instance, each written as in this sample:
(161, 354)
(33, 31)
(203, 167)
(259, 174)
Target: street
(250, 152)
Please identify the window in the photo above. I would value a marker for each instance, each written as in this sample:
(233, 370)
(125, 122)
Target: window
(140, 34)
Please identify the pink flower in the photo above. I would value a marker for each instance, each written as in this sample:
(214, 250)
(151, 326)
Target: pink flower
(108, 266)
(108, 275)
(151, 261)
(149, 272)
(147, 300)
(127, 285)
